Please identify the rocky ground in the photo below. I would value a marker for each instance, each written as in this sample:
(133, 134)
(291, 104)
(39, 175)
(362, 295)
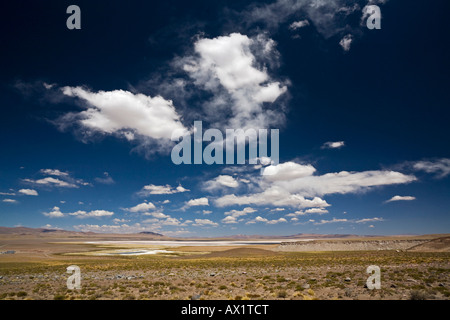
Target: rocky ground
(304, 276)
(343, 245)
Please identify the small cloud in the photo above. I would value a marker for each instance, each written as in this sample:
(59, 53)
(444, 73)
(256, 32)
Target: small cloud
(57, 179)
(334, 220)
(204, 223)
(239, 213)
(176, 233)
(298, 24)
(117, 221)
(229, 220)
(28, 192)
(440, 167)
(264, 161)
(369, 220)
(346, 42)
(115, 228)
(260, 219)
(267, 221)
(220, 182)
(287, 171)
(197, 202)
(207, 211)
(50, 181)
(158, 215)
(48, 85)
(10, 201)
(55, 213)
(276, 221)
(154, 189)
(92, 214)
(106, 179)
(142, 207)
(296, 213)
(54, 172)
(49, 226)
(333, 145)
(317, 210)
(401, 198)
(181, 189)
(150, 121)
(7, 194)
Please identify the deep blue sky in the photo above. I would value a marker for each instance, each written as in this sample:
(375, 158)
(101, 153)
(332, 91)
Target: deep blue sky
(385, 97)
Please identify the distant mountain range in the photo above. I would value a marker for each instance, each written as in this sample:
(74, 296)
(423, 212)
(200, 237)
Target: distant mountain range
(32, 231)
(148, 235)
(151, 233)
(294, 236)
(61, 232)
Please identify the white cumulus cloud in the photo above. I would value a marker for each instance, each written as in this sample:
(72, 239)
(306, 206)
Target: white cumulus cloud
(346, 42)
(333, 145)
(50, 181)
(54, 172)
(296, 185)
(298, 24)
(229, 220)
(142, 207)
(440, 167)
(232, 68)
(205, 223)
(197, 202)
(287, 171)
(334, 220)
(401, 198)
(116, 228)
(56, 179)
(365, 220)
(220, 182)
(267, 221)
(166, 189)
(149, 120)
(239, 213)
(10, 201)
(28, 192)
(91, 214)
(55, 213)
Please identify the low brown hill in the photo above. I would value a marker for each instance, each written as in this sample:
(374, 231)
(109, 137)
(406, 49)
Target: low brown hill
(435, 245)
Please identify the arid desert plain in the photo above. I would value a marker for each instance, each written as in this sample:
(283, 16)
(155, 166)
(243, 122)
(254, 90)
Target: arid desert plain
(33, 265)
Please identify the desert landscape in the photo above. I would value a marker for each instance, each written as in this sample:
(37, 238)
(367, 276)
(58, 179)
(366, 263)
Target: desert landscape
(145, 266)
